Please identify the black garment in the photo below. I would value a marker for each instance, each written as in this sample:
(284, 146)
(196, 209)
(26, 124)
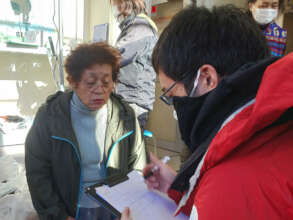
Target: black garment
(187, 110)
(200, 121)
(143, 119)
(95, 214)
(137, 76)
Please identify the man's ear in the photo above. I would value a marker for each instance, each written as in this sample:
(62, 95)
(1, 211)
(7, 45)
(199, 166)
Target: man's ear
(208, 80)
(71, 82)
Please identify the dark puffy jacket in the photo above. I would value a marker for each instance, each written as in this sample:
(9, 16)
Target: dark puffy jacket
(52, 156)
(137, 76)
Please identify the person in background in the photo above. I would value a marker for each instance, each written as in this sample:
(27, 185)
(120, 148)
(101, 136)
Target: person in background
(136, 41)
(70, 145)
(234, 105)
(264, 12)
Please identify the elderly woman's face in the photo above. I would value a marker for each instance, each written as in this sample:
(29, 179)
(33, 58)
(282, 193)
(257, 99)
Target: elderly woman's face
(95, 86)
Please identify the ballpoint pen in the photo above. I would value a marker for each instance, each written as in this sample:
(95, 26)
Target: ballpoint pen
(155, 168)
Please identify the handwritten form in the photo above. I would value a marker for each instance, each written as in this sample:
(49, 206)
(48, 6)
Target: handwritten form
(143, 204)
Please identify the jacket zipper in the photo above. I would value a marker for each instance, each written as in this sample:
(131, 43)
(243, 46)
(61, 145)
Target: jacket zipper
(114, 145)
(105, 143)
(80, 178)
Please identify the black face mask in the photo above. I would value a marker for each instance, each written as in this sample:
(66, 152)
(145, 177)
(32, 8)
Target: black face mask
(188, 109)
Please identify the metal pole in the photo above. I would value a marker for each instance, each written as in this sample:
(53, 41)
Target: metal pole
(60, 37)
(76, 19)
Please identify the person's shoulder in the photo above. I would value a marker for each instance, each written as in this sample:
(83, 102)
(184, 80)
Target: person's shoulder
(274, 25)
(52, 102)
(116, 98)
(123, 107)
(143, 21)
(59, 95)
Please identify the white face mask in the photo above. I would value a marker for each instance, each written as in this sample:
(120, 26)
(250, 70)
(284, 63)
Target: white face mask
(116, 14)
(195, 84)
(264, 16)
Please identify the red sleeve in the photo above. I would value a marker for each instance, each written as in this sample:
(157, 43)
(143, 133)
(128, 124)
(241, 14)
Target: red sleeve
(219, 196)
(233, 192)
(174, 195)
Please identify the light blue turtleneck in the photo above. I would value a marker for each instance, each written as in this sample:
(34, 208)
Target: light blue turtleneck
(90, 128)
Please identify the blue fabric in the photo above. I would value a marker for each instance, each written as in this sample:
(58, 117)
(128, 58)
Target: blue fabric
(84, 122)
(276, 37)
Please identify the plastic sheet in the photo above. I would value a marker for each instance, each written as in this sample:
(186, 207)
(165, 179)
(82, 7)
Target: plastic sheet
(15, 200)
(9, 168)
(9, 173)
(17, 207)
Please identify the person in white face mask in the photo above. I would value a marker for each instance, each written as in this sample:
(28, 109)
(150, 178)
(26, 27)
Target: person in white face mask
(264, 12)
(136, 42)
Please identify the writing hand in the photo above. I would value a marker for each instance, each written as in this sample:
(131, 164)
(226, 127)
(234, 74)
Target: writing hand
(162, 178)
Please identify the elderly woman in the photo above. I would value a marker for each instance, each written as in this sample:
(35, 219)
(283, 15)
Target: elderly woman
(82, 137)
(264, 12)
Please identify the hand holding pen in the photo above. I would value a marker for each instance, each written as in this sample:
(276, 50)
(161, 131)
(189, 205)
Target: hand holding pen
(156, 168)
(154, 173)
(158, 175)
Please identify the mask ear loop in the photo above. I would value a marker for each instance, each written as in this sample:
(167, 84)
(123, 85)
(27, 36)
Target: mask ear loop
(195, 83)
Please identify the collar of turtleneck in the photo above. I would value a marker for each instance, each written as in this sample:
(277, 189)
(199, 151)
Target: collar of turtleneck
(78, 106)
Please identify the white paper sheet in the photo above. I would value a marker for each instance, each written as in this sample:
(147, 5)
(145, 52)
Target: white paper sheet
(143, 204)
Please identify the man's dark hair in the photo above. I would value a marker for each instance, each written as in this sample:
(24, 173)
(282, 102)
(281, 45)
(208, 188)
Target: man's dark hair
(224, 37)
(281, 4)
(87, 55)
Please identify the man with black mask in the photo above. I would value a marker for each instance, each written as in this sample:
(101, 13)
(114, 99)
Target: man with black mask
(234, 107)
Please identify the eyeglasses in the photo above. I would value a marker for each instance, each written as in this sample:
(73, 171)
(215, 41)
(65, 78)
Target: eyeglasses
(168, 99)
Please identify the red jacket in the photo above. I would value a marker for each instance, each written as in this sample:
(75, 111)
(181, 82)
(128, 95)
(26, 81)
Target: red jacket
(247, 171)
